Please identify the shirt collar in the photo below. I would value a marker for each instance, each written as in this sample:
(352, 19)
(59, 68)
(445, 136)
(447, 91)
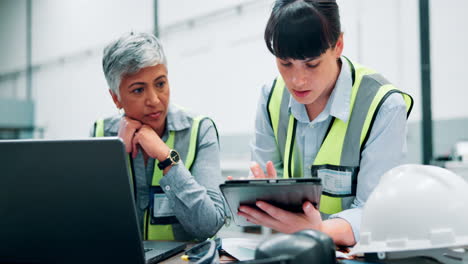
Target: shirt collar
(338, 104)
(177, 119)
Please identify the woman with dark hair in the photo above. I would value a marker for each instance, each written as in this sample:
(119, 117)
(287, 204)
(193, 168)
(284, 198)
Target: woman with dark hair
(325, 116)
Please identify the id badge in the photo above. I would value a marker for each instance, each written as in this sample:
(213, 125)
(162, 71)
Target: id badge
(161, 207)
(161, 210)
(337, 181)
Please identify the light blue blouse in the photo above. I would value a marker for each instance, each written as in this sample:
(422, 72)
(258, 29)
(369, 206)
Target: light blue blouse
(385, 148)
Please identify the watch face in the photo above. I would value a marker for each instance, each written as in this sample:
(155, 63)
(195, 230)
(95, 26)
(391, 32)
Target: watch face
(174, 156)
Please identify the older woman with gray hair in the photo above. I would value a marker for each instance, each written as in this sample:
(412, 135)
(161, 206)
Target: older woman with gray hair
(174, 155)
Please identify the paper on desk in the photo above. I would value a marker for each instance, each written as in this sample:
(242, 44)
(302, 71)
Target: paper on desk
(342, 255)
(244, 248)
(241, 248)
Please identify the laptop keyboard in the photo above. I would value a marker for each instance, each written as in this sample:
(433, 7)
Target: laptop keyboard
(148, 249)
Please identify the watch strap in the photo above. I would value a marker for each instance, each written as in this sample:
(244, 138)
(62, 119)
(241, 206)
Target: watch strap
(164, 164)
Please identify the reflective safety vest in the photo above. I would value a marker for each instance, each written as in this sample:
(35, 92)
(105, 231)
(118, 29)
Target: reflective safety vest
(160, 227)
(338, 159)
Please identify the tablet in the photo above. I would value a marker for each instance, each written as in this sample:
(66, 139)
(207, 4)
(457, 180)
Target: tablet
(288, 194)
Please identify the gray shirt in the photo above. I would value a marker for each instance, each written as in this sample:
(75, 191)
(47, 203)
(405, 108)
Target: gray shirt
(194, 195)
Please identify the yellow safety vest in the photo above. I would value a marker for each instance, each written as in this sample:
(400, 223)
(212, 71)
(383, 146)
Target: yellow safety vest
(185, 142)
(340, 152)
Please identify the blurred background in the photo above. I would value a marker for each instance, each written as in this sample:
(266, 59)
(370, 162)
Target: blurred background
(52, 84)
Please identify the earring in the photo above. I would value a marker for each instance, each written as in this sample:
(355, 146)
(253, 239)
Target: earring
(121, 111)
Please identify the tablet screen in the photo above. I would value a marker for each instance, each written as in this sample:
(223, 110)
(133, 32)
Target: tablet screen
(288, 194)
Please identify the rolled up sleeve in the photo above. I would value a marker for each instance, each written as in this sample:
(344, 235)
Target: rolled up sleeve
(195, 196)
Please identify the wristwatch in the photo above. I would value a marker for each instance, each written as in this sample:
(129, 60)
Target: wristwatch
(172, 159)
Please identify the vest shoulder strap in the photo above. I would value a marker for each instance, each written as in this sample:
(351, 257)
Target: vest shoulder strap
(279, 116)
(104, 126)
(99, 128)
(194, 138)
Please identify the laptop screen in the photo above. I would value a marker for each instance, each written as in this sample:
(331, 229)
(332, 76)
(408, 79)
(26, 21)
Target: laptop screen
(67, 201)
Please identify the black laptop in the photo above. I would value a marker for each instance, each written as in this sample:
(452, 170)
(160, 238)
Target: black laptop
(70, 201)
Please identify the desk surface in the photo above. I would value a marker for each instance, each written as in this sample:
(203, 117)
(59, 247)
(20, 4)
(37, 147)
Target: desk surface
(225, 259)
(177, 260)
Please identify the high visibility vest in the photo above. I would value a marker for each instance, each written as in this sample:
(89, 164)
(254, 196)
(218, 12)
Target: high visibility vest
(340, 153)
(185, 142)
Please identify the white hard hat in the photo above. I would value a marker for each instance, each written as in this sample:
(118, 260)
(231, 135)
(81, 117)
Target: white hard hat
(413, 208)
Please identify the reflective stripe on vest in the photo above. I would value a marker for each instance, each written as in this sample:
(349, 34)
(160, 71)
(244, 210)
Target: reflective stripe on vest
(185, 142)
(342, 145)
(158, 232)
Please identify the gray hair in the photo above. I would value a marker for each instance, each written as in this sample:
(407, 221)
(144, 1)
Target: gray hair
(129, 54)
